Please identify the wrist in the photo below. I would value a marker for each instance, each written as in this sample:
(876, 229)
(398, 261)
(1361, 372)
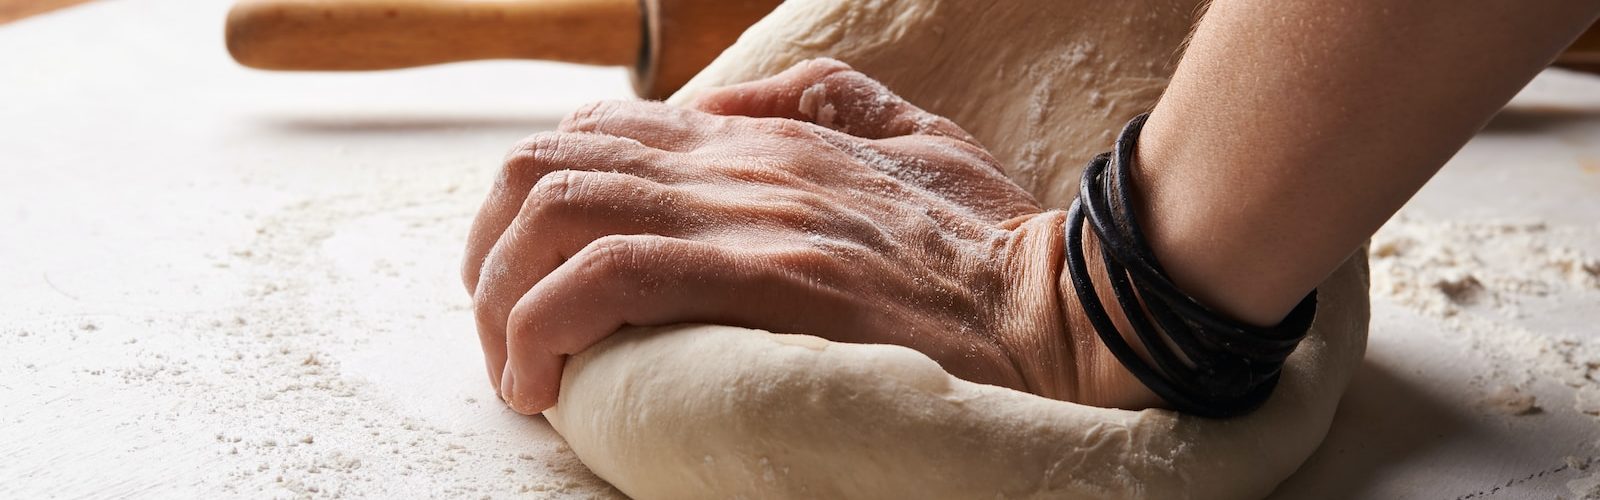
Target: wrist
(1056, 350)
(1194, 358)
(1097, 377)
(1032, 330)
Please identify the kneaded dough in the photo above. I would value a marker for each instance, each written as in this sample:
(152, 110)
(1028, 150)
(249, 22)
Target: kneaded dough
(699, 411)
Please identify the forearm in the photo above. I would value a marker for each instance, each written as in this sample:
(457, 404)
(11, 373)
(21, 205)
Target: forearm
(1294, 128)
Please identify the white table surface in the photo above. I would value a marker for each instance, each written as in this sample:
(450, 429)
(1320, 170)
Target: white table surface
(222, 282)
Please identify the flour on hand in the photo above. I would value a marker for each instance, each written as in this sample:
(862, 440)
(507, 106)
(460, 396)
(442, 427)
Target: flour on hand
(698, 411)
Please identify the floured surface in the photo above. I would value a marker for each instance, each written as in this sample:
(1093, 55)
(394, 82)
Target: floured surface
(223, 282)
(155, 197)
(1485, 346)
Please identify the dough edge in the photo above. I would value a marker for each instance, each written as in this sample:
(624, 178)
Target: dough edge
(702, 411)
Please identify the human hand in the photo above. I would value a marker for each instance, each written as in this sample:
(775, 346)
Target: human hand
(876, 222)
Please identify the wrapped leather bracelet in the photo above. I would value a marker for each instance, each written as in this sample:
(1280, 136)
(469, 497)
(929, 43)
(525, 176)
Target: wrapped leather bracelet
(1226, 367)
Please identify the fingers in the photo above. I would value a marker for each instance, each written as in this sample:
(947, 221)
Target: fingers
(652, 280)
(541, 154)
(565, 211)
(831, 94)
(616, 280)
(777, 96)
(654, 124)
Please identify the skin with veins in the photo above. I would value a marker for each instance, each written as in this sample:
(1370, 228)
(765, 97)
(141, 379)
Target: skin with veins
(1043, 86)
(696, 411)
(521, 312)
(888, 225)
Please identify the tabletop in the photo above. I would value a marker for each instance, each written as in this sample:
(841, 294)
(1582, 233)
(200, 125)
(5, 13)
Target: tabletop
(215, 280)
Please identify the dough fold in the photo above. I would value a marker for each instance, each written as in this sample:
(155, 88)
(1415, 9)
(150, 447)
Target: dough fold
(702, 411)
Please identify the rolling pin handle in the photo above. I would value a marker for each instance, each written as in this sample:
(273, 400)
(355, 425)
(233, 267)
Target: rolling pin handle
(387, 34)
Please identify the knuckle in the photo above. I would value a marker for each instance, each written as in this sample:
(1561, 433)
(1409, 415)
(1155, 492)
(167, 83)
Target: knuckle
(481, 311)
(566, 192)
(521, 340)
(532, 157)
(561, 194)
(782, 128)
(615, 254)
(554, 189)
(470, 277)
(589, 116)
(537, 146)
(484, 307)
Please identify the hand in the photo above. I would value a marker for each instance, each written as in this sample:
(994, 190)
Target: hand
(832, 208)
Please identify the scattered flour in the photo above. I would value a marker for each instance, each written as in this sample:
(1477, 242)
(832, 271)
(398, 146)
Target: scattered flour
(252, 396)
(1495, 282)
(1585, 488)
(1511, 401)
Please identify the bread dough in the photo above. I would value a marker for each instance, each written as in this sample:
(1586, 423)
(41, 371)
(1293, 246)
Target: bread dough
(1044, 84)
(698, 411)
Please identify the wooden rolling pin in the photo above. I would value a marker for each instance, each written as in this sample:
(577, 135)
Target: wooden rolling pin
(664, 42)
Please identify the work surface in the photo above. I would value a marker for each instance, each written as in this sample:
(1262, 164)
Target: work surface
(216, 281)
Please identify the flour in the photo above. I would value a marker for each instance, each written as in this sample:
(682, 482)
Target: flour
(255, 394)
(1511, 401)
(814, 104)
(1493, 282)
(328, 435)
(1586, 488)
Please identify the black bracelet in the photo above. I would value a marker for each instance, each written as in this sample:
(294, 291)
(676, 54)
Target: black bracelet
(1226, 367)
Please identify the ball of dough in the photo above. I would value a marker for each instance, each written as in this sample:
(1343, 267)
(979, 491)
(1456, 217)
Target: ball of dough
(699, 411)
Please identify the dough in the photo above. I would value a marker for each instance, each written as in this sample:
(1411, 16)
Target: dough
(697, 411)
(1044, 84)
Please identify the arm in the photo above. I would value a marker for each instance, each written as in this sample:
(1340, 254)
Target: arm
(1293, 129)
(741, 219)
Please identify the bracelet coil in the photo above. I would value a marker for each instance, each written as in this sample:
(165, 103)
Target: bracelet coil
(1204, 362)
